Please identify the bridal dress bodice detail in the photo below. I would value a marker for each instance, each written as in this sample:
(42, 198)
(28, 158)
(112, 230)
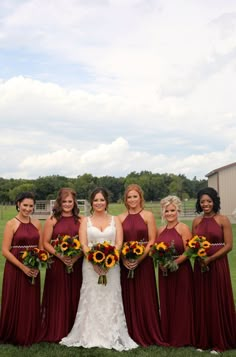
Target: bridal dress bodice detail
(96, 235)
(100, 319)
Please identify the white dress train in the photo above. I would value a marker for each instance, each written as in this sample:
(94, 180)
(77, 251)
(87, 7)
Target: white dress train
(100, 320)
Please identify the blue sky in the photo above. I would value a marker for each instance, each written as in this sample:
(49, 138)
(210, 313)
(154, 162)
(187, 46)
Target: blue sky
(112, 86)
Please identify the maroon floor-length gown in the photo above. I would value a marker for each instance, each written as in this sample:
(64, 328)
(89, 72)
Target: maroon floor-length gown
(176, 297)
(20, 308)
(61, 290)
(214, 302)
(140, 293)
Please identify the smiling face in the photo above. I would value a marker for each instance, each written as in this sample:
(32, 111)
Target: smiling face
(206, 204)
(170, 213)
(99, 203)
(26, 207)
(133, 199)
(67, 204)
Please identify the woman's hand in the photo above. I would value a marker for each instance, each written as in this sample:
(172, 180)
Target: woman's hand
(66, 260)
(31, 272)
(163, 269)
(99, 270)
(131, 265)
(74, 259)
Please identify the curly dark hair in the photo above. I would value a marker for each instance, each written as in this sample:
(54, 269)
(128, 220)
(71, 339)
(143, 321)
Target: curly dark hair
(213, 194)
(57, 209)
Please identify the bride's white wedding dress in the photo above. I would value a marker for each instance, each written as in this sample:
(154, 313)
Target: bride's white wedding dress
(100, 319)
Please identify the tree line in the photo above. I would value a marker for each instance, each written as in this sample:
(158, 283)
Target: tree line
(155, 186)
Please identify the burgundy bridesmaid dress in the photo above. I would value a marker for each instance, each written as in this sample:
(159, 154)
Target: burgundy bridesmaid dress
(20, 308)
(140, 293)
(176, 297)
(214, 302)
(61, 290)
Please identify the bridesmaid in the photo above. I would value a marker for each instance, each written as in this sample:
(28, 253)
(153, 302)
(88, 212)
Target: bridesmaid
(61, 289)
(176, 289)
(20, 312)
(140, 293)
(214, 302)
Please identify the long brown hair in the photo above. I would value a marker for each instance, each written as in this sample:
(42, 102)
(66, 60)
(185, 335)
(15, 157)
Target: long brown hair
(57, 209)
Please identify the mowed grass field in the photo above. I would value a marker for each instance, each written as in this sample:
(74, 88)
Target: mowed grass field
(52, 350)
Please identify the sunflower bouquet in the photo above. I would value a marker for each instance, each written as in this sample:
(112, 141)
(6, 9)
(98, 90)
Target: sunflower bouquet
(35, 258)
(105, 256)
(164, 254)
(197, 249)
(68, 246)
(132, 250)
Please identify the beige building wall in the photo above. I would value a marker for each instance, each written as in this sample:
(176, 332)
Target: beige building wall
(224, 181)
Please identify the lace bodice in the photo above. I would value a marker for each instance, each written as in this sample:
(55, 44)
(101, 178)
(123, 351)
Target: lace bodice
(95, 235)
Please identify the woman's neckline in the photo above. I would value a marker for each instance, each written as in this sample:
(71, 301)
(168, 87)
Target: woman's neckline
(209, 216)
(18, 219)
(173, 226)
(133, 213)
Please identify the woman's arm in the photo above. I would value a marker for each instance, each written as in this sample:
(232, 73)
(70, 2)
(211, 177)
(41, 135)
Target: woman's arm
(9, 231)
(119, 234)
(47, 236)
(228, 239)
(186, 235)
(83, 236)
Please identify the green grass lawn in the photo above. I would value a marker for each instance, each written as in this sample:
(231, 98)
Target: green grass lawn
(52, 350)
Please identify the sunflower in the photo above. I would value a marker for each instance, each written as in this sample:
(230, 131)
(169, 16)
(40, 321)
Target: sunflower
(195, 238)
(125, 250)
(201, 252)
(206, 244)
(77, 244)
(162, 245)
(110, 261)
(98, 256)
(203, 238)
(106, 244)
(24, 255)
(65, 238)
(64, 246)
(192, 243)
(138, 249)
(36, 250)
(43, 257)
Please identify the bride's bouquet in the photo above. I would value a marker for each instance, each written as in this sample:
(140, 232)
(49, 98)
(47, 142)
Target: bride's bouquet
(105, 256)
(132, 250)
(197, 249)
(164, 254)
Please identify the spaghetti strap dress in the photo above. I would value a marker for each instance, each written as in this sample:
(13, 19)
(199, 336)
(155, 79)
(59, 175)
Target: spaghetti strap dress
(214, 302)
(176, 296)
(139, 294)
(100, 320)
(20, 308)
(61, 290)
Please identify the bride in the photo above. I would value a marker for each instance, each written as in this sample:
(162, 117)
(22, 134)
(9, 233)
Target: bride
(100, 319)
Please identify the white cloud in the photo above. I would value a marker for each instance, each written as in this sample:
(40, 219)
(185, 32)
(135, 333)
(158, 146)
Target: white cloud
(117, 86)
